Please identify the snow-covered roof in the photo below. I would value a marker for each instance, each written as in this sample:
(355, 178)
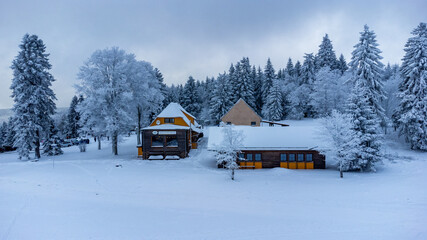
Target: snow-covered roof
(166, 127)
(271, 138)
(169, 126)
(174, 110)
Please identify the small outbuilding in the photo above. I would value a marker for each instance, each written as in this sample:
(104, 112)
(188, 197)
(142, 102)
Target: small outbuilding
(172, 134)
(269, 147)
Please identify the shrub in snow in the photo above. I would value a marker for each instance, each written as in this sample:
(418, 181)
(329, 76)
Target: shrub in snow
(52, 146)
(338, 129)
(227, 152)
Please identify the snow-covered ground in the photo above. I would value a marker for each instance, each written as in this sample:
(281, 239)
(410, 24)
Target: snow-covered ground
(85, 196)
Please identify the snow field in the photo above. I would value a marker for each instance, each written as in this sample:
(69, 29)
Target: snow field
(85, 196)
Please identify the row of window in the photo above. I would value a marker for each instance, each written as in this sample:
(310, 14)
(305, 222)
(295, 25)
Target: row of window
(284, 157)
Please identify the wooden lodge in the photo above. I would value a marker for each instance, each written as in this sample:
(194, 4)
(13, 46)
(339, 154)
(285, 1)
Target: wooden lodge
(269, 147)
(172, 134)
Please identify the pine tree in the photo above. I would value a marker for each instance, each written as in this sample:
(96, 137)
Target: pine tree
(297, 69)
(52, 146)
(258, 83)
(366, 128)
(367, 67)
(411, 116)
(10, 133)
(163, 88)
(268, 78)
(3, 132)
(34, 100)
(221, 101)
(326, 55)
(327, 92)
(191, 99)
(273, 107)
(290, 70)
(342, 64)
(73, 119)
(244, 85)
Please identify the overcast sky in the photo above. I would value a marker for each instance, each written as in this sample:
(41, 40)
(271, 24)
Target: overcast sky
(198, 38)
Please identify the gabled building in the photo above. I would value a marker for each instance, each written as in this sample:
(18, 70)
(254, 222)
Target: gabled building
(172, 134)
(241, 114)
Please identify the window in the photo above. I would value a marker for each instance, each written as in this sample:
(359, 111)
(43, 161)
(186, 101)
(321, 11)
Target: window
(157, 141)
(309, 157)
(241, 156)
(171, 141)
(169, 120)
(228, 123)
(249, 157)
(292, 157)
(283, 157)
(253, 123)
(258, 157)
(300, 157)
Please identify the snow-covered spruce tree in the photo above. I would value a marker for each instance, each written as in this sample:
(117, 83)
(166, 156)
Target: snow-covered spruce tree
(258, 83)
(3, 131)
(163, 87)
(52, 146)
(338, 130)
(365, 127)
(326, 56)
(10, 133)
(327, 92)
(342, 64)
(33, 97)
(299, 95)
(391, 86)
(290, 70)
(228, 151)
(221, 101)
(273, 107)
(108, 94)
(411, 116)
(244, 84)
(366, 66)
(191, 98)
(269, 77)
(73, 119)
(147, 94)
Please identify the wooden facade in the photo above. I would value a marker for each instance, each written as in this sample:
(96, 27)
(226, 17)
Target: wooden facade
(150, 137)
(292, 159)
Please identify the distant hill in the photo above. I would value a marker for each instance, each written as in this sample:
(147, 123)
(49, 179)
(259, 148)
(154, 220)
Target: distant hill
(6, 113)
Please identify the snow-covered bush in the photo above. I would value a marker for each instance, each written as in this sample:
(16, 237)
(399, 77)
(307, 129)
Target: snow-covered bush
(227, 152)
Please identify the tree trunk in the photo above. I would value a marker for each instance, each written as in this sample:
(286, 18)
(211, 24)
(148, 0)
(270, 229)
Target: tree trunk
(37, 148)
(138, 129)
(99, 143)
(114, 143)
(232, 174)
(341, 174)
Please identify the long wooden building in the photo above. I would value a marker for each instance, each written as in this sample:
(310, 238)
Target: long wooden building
(268, 147)
(172, 134)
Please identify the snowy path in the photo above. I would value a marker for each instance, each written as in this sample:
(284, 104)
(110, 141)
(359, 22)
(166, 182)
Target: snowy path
(86, 197)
